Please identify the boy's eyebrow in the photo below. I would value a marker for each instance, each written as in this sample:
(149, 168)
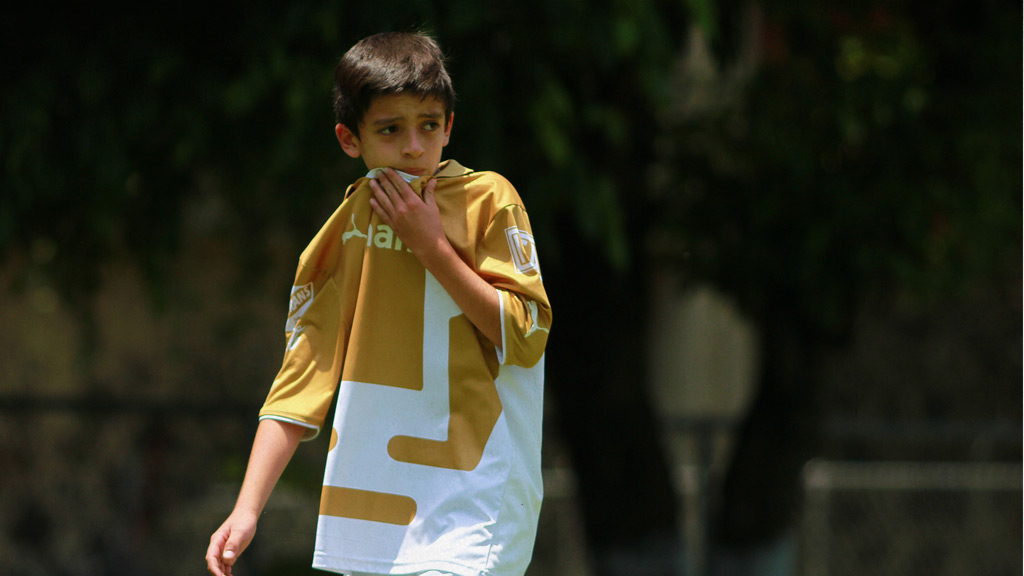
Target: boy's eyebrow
(392, 119)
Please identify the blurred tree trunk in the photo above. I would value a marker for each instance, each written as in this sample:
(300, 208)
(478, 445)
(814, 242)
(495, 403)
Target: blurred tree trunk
(598, 378)
(761, 490)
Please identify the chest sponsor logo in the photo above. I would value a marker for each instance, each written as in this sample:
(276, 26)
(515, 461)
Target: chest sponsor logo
(523, 250)
(379, 236)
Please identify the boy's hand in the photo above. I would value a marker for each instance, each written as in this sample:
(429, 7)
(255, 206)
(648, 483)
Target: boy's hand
(415, 220)
(418, 224)
(228, 542)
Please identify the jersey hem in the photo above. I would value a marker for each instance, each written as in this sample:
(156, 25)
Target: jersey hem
(324, 562)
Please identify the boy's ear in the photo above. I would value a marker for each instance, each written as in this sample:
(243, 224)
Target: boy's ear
(448, 128)
(349, 141)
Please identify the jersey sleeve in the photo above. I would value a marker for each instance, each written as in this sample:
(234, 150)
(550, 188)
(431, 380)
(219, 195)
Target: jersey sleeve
(507, 259)
(304, 387)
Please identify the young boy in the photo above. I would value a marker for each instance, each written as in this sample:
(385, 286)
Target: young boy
(420, 305)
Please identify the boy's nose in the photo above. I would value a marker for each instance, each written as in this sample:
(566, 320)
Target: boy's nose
(413, 147)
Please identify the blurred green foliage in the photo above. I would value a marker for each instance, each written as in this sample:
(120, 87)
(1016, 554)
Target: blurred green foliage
(877, 145)
(112, 120)
(876, 150)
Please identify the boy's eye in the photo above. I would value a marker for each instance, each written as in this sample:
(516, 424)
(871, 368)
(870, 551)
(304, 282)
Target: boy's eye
(388, 130)
(431, 126)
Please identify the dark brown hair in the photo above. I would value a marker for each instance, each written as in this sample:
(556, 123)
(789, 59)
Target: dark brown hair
(389, 63)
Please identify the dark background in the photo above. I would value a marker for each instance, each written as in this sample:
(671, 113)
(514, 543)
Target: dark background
(843, 175)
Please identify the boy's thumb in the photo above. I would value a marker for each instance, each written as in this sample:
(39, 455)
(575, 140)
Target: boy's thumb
(230, 552)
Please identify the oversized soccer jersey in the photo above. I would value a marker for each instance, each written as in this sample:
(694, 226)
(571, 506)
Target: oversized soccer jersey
(434, 460)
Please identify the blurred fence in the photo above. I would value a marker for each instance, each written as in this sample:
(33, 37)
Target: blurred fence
(930, 498)
(909, 518)
(873, 513)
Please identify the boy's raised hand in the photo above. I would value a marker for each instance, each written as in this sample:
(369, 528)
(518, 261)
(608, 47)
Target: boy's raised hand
(415, 220)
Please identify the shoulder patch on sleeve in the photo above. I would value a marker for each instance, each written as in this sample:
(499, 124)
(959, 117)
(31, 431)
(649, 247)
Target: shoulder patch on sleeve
(523, 250)
(302, 296)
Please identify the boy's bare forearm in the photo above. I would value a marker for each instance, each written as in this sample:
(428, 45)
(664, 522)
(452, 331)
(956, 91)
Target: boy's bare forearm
(477, 299)
(272, 448)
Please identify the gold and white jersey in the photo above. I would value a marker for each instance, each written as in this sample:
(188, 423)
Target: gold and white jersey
(434, 459)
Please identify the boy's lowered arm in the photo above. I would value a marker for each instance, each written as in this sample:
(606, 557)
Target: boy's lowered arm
(273, 447)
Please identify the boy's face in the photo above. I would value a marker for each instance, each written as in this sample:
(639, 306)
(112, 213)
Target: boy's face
(403, 131)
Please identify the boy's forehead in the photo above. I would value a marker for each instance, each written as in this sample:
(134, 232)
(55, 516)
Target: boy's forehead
(405, 104)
